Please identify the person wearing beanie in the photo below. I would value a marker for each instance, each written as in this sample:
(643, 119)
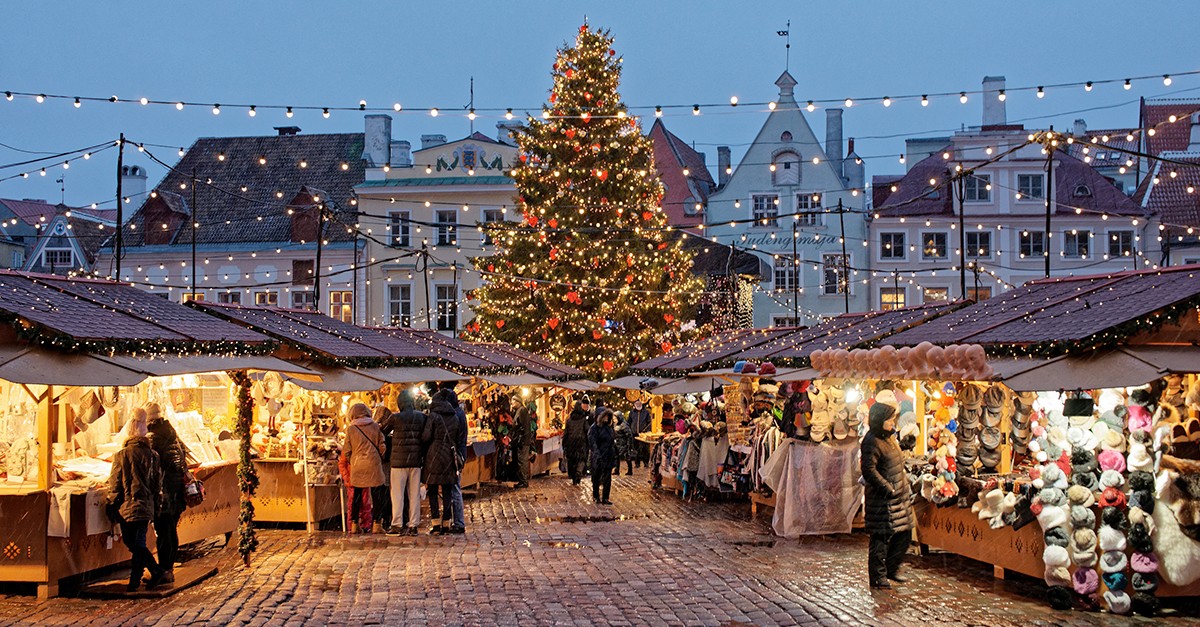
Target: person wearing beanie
(889, 515)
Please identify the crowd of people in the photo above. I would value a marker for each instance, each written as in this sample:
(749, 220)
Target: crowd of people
(596, 441)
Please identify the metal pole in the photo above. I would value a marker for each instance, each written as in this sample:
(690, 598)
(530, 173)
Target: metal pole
(1047, 193)
(354, 283)
(959, 192)
(428, 298)
(845, 270)
(120, 202)
(317, 269)
(194, 220)
(795, 277)
(455, 304)
(895, 287)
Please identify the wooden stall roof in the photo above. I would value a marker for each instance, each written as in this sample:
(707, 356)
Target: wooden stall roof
(453, 350)
(63, 311)
(1061, 313)
(847, 331)
(716, 348)
(537, 364)
(291, 327)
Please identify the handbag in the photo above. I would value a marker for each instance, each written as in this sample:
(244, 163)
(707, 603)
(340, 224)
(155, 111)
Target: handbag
(193, 490)
(459, 462)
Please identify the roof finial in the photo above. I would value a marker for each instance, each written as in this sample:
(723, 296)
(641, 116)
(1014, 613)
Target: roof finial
(787, 49)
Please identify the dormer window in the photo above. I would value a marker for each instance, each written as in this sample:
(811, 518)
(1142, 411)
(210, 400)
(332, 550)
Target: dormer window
(1082, 191)
(787, 168)
(786, 136)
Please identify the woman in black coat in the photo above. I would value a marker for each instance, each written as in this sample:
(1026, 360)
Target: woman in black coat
(440, 472)
(889, 515)
(602, 442)
(172, 457)
(575, 442)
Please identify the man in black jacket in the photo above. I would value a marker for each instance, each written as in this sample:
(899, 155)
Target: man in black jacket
(888, 503)
(524, 433)
(639, 423)
(135, 489)
(408, 456)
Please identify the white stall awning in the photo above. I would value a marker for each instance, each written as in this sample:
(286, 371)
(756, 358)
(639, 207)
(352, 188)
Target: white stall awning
(35, 366)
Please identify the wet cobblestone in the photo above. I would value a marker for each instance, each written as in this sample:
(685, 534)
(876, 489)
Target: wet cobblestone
(548, 556)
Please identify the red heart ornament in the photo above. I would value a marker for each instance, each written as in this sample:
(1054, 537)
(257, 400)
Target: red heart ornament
(596, 333)
(553, 322)
(669, 318)
(608, 365)
(499, 324)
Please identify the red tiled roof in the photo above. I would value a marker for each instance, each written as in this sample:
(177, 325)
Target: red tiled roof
(1156, 114)
(31, 212)
(911, 197)
(671, 156)
(1055, 312)
(848, 331)
(99, 311)
(1170, 199)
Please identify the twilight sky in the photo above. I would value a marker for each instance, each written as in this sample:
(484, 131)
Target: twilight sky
(422, 54)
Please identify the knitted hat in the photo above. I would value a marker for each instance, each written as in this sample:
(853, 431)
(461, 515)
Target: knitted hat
(1138, 516)
(1084, 540)
(1088, 480)
(1059, 597)
(1058, 576)
(1143, 603)
(1115, 581)
(1054, 477)
(1112, 478)
(1113, 562)
(1111, 539)
(1111, 460)
(1082, 517)
(1114, 517)
(1084, 559)
(1052, 496)
(1144, 562)
(1139, 457)
(1143, 500)
(1139, 539)
(1057, 536)
(1118, 601)
(1055, 556)
(1079, 495)
(1085, 581)
(1144, 582)
(1141, 480)
(1112, 497)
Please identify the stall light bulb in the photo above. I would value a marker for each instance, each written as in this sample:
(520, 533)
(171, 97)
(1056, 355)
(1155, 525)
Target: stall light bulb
(325, 113)
(252, 112)
(289, 112)
(811, 107)
(962, 97)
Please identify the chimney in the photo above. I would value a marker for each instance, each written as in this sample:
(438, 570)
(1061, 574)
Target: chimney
(1194, 138)
(993, 107)
(503, 131)
(1079, 129)
(856, 175)
(133, 183)
(724, 165)
(833, 139)
(401, 154)
(288, 130)
(377, 140)
(429, 141)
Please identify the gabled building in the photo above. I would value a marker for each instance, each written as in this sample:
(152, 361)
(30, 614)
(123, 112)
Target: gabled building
(258, 203)
(917, 246)
(684, 175)
(51, 239)
(791, 201)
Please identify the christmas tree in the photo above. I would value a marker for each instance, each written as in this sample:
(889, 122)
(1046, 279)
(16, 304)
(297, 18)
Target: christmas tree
(592, 276)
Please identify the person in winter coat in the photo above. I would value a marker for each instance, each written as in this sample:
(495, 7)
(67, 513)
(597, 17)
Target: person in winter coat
(135, 490)
(442, 464)
(172, 459)
(381, 501)
(575, 442)
(524, 433)
(601, 441)
(408, 455)
(364, 449)
(624, 444)
(639, 422)
(889, 514)
(456, 497)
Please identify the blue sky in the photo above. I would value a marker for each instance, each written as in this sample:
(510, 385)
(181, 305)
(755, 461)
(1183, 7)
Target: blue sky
(423, 54)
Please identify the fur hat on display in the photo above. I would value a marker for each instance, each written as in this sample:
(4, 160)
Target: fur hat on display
(1143, 500)
(1082, 517)
(1139, 418)
(1118, 601)
(1113, 562)
(1111, 539)
(1052, 516)
(1143, 604)
(1084, 559)
(1084, 540)
(1111, 479)
(1055, 556)
(1060, 597)
(1114, 517)
(1141, 480)
(1139, 516)
(1058, 576)
(1054, 477)
(1057, 536)
(1052, 496)
(1139, 539)
(1080, 495)
(1111, 460)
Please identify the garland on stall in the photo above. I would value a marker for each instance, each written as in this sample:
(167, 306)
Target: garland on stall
(47, 338)
(247, 475)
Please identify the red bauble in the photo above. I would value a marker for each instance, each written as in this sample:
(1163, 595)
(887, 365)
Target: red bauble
(608, 365)
(597, 333)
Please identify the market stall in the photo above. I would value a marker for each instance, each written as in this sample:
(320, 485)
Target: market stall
(77, 358)
(1069, 454)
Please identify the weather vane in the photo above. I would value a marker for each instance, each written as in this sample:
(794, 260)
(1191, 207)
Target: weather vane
(787, 50)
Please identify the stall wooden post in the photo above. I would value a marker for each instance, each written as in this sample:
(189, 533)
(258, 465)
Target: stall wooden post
(922, 422)
(47, 421)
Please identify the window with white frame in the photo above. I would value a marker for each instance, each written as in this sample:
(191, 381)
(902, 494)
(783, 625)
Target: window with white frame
(933, 245)
(447, 225)
(446, 303)
(785, 274)
(58, 257)
(400, 305)
(1032, 244)
(304, 299)
(17, 258)
(979, 244)
(979, 293)
(787, 169)
(764, 207)
(1120, 244)
(229, 298)
(341, 305)
(834, 273)
(784, 321)
(268, 298)
(892, 298)
(1076, 243)
(1031, 186)
(977, 188)
(399, 229)
(891, 246)
(490, 216)
(190, 297)
(808, 209)
(937, 294)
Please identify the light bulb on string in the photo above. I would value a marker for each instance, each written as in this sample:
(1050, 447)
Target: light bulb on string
(696, 109)
(78, 103)
(849, 102)
(811, 107)
(962, 97)
(216, 109)
(8, 96)
(1167, 80)
(771, 105)
(887, 102)
(325, 113)
(733, 101)
(289, 112)
(924, 101)
(508, 115)
(362, 105)
(1128, 85)
(1001, 96)
(1087, 86)
(1041, 92)
(252, 112)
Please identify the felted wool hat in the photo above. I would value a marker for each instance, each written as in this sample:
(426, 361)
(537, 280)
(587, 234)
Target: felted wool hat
(887, 397)
(1118, 601)
(1054, 556)
(1058, 576)
(1111, 479)
(1079, 495)
(1139, 418)
(1143, 500)
(1060, 597)
(1143, 604)
(1081, 438)
(1139, 539)
(1084, 540)
(1139, 458)
(1111, 539)
(1113, 561)
(1144, 582)
(1052, 516)
(1112, 497)
(1088, 480)
(1084, 559)
(1085, 581)
(989, 457)
(1114, 517)
(1082, 517)
(1052, 496)
(1143, 563)
(970, 397)
(990, 418)
(1115, 581)
(1057, 536)
(1110, 459)
(990, 437)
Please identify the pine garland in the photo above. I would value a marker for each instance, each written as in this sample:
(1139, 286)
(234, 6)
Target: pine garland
(247, 474)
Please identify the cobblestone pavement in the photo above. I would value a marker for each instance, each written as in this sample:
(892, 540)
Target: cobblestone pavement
(547, 556)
